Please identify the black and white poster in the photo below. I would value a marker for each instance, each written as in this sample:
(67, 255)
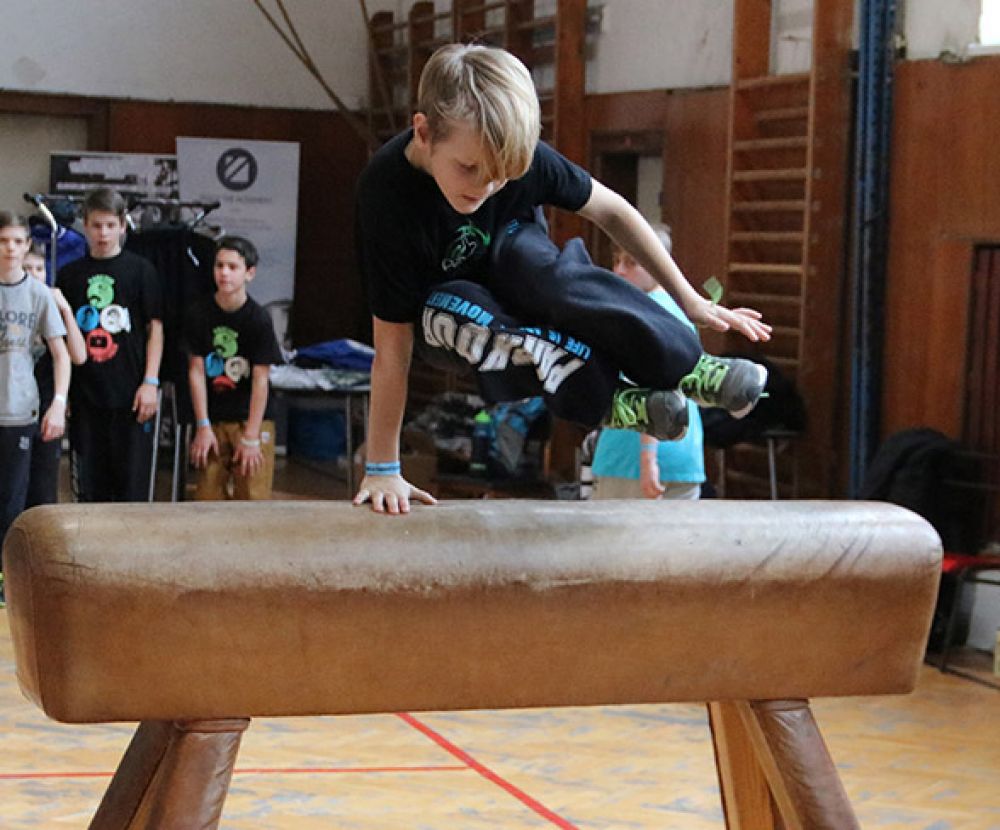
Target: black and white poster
(257, 186)
(139, 175)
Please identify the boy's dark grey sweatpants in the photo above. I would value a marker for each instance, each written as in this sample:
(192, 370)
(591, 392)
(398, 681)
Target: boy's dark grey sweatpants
(15, 461)
(551, 323)
(113, 453)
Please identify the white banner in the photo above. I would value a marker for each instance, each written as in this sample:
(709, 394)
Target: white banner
(257, 186)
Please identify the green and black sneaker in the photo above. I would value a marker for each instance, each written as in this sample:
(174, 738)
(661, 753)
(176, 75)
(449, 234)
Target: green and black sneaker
(659, 413)
(732, 383)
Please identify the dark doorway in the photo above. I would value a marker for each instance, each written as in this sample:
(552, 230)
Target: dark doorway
(981, 432)
(618, 161)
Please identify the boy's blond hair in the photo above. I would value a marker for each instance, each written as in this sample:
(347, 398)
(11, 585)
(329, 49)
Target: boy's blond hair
(492, 91)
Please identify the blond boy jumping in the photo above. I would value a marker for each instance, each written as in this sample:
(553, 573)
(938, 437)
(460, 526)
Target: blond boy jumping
(459, 268)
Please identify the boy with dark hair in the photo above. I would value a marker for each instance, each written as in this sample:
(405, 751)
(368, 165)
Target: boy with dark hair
(458, 269)
(27, 310)
(231, 346)
(117, 299)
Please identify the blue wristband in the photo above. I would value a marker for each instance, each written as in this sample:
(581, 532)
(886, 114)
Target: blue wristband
(151, 381)
(382, 468)
(203, 422)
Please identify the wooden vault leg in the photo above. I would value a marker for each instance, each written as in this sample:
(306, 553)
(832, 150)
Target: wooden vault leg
(774, 768)
(174, 776)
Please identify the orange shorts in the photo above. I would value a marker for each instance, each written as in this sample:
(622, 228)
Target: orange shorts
(221, 480)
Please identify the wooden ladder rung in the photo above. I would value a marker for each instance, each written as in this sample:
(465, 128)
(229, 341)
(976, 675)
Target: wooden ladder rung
(751, 298)
(770, 116)
(483, 7)
(489, 31)
(770, 206)
(430, 18)
(796, 237)
(777, 175)
(795, 142)
(764, 81)
(383, 28)
(432, 43)
(765, 268)
(789, 363)
(391, 50)
(786, 331)
(536, 23)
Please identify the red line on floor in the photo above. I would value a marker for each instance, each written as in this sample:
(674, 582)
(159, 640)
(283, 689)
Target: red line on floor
(27, 776)
(486, 772)
(306, 770)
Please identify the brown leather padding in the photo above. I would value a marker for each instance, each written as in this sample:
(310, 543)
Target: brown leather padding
(198, 611)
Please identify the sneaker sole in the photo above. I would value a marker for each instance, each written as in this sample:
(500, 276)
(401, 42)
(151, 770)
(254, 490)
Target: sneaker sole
(762, 382)
(683, 418)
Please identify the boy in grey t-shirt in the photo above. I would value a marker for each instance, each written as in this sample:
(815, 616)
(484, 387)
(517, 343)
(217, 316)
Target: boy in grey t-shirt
(26, 311)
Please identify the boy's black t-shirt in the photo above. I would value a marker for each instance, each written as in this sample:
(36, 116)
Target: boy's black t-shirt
(114, 301)
(409, 238)
(231, 344)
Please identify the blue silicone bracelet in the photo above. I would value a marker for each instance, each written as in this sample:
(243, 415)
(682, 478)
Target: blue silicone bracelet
(382, 468)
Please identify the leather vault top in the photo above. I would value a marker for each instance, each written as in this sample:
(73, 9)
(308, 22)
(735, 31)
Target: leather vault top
(129, 612)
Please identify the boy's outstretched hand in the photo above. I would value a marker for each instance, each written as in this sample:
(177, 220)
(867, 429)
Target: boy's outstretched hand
(390, 494)
(747, 321)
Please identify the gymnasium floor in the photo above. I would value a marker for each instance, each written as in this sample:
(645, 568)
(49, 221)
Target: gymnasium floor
(928, 761)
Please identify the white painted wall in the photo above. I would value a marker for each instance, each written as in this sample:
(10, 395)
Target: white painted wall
(223, 50)
(657, 44)
(985, 620)
(791, 36)
(25, 144)
(935, 26)
(220, 51)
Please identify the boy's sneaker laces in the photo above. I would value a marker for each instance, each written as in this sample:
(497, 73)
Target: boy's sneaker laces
(732, 383)
(661, 414)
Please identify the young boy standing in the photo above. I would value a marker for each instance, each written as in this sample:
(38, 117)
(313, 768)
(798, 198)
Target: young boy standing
(43, 481)
(628, 465)
(117, 301)
(27, 310)
(458, 267)
(231, 346)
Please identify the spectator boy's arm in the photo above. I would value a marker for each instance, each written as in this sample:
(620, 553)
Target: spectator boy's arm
(390, 370)
(54, 420)
(248, 457)
(75, 344)
(649, 468)
(204, 441)
(626, 226)
(145, 401)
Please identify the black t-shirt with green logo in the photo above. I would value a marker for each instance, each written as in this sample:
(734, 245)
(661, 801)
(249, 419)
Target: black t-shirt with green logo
(231, 344)
(114, 301)
(410, 239)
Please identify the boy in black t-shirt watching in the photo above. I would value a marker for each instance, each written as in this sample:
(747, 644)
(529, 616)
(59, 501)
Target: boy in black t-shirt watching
(231, 346)
(117, 299)
(458, 267)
